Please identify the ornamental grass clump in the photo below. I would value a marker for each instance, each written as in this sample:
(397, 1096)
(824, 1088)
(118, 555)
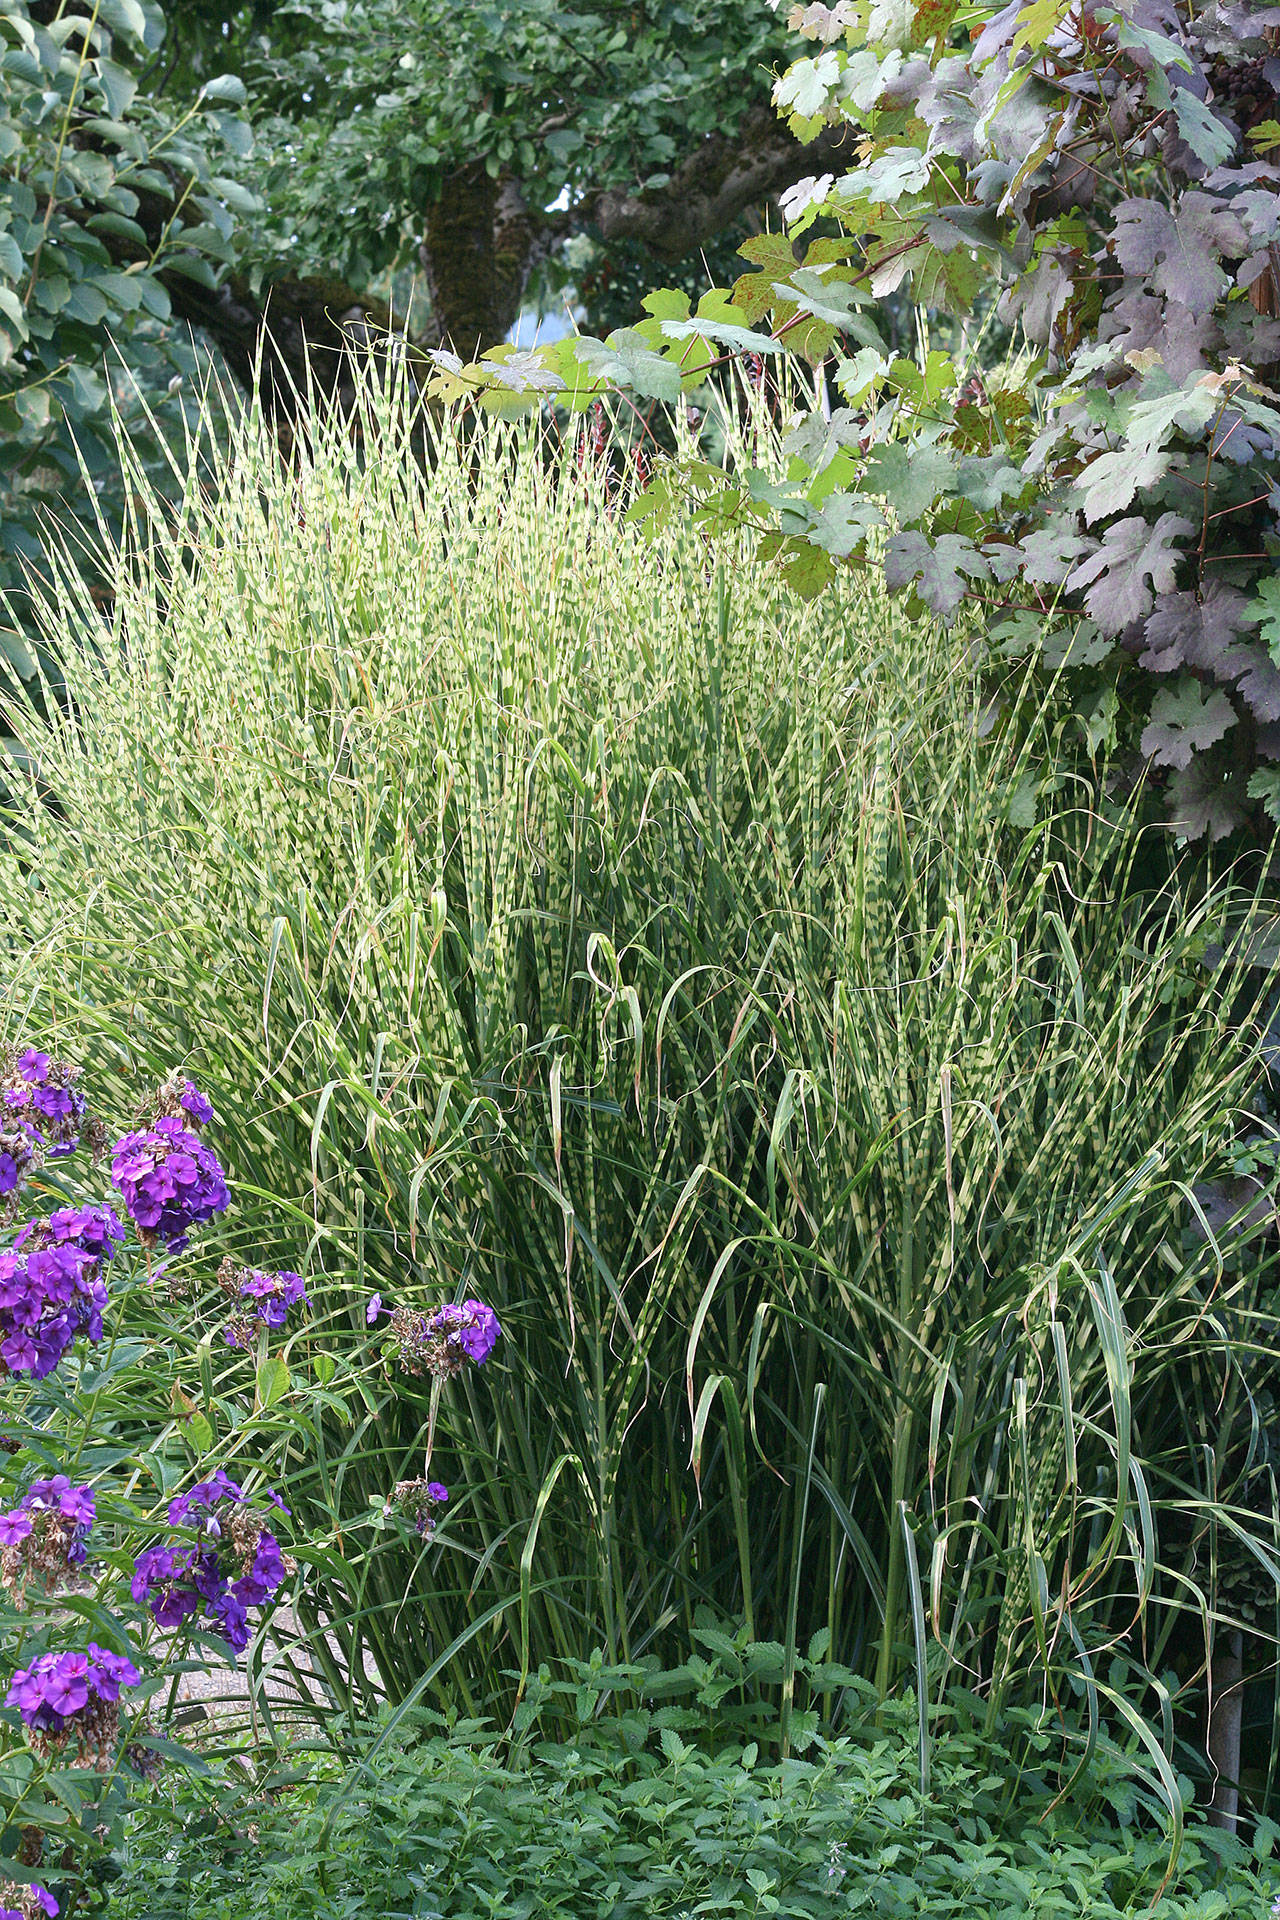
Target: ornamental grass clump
(783, 1024)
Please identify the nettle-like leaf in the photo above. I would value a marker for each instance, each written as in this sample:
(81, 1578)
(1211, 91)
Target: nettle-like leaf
(1134, 561)
(1185, 718)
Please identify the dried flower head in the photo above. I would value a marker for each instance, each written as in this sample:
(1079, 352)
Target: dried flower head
(26, 1903)
(441, 1343)
(263, 1300)
(418, 1500)
(46, 1537)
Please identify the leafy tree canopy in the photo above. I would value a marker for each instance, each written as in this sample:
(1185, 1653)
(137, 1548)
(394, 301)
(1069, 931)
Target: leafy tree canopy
(482, 137)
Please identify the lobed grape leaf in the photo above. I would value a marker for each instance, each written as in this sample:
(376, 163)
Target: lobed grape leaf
(1132, 554)
(1185, 718)
(940, 568)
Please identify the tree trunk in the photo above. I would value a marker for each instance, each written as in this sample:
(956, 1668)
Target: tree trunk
(480, 245)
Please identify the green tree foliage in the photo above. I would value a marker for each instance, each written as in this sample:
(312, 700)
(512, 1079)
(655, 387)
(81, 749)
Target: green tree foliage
(1111, 507)
(109, 210)
(480, 138)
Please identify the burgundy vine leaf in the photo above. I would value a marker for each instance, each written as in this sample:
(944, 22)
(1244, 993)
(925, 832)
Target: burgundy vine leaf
(1186, 631)
(1205, 800)
(1108, 484)
(1259, 685)
(1180, 249)
(1185, 719)
(1133, 553)
(940, 567)
(1050, 553)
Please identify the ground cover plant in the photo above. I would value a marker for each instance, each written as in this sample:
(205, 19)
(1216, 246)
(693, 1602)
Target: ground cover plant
(865, 1157)
(668, 1807)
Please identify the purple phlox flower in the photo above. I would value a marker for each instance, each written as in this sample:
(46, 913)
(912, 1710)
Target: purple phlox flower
(113, 1671)
(169, 1181)
(33, 1067)
(481, 1337)
(1275, 1905)
(471, 1328)
(94, 1230)
(373, 1309)
(204, 1497)
(274, 1294)
(14, 1526)
(275, 1500)
(437, 1492)
(237, 1563)
(34, 1899)
(73, 1503)
(48, 1295)
(196, 1104)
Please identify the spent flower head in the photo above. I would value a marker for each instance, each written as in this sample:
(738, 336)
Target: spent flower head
(262, 1299)
(418, 1500)
(73, 1697)
(46, 1537)
(441, 1343)
(31, 1902)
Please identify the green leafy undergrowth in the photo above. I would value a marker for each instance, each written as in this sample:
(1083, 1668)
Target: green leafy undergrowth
(640, 1813)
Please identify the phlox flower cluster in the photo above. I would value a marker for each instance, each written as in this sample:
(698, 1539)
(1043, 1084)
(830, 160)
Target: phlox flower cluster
(93, 1230)
(26, 1903)
(46, 1537)
(73, 1697)
(48, 1295)
(168, 1179)
(235, 1563)
(42, 1113)
(442, 1343)
(417, 1500)
(263, 1299)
